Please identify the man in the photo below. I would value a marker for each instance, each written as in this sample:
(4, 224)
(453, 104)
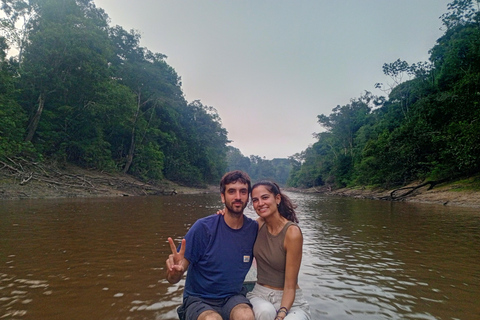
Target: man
(218, 252)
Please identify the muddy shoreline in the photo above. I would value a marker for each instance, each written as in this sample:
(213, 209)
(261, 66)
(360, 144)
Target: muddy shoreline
(450, 194)
(70, 181)
(74, 182)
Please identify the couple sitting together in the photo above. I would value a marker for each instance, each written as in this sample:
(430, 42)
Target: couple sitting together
(218, 251)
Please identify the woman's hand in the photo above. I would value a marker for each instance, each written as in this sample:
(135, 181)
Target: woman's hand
(221, 211)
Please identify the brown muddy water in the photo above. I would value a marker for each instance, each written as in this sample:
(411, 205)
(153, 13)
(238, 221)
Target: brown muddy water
(363, 259)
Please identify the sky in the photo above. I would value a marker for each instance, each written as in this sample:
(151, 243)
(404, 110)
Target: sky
(269, 67)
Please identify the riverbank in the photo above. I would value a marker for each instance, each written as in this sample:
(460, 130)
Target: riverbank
(464, 193)
(35, 181)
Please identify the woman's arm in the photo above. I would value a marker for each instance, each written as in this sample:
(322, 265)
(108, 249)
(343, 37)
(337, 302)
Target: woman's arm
(293, 246)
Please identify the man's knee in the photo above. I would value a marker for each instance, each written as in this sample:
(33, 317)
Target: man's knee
(242, 312)
(209, 315)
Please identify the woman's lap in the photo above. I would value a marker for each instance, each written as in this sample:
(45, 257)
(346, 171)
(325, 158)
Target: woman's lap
(266, 301)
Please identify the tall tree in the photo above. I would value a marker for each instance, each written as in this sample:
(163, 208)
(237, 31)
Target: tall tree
(15, 23)
(66, 55)
(462, 12)
(12, 116)
(152, 80)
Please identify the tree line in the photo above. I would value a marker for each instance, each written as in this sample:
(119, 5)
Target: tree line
(258, 168)
(428, 126)
(75, 89)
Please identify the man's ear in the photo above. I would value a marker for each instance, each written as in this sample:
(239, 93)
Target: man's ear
(223, 197)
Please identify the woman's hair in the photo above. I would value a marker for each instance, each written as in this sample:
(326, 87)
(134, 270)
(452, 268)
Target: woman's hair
(285, 207)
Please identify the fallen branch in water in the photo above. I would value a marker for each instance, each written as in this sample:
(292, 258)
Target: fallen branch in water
(409, 190)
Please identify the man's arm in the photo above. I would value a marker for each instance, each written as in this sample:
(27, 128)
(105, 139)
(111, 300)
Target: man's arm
(176, 263)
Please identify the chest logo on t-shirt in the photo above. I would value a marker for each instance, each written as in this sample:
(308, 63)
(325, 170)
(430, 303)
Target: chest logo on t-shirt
(246, 258)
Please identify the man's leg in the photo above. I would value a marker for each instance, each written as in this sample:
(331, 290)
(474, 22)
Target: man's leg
(242, 312)
(209, 315)
(200, 309)
(238, 307)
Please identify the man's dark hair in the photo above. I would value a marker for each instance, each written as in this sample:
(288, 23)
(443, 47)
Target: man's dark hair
(234, 176)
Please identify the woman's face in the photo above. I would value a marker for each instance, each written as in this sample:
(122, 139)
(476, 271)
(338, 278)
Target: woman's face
(264, 202)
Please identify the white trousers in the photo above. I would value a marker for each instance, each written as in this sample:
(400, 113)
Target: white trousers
(267, 301)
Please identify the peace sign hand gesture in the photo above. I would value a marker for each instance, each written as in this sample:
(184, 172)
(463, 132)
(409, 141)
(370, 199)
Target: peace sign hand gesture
(176, 262)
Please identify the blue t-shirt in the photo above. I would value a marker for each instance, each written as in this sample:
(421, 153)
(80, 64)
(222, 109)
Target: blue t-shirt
(219, 257)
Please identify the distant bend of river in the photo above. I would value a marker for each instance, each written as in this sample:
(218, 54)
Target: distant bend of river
(362, 259)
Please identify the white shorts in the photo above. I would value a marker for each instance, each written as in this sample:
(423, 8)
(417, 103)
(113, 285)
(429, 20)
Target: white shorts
(266, 302)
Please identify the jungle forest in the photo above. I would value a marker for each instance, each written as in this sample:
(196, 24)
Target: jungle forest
(82, 92)
(74, 89)
(426, 129)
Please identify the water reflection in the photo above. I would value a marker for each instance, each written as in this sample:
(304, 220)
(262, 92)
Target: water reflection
(380, 260)
(104, 258)
(93, 259)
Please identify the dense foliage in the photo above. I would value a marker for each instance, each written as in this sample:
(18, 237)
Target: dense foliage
(75, 89)
(78, 90)
(429, 127)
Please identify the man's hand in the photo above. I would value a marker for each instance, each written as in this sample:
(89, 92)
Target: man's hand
(176, 262)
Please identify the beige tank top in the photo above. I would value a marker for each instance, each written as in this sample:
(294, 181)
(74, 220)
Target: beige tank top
(271, 257)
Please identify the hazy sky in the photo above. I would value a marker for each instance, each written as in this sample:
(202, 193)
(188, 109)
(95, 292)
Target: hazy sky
(270, 67)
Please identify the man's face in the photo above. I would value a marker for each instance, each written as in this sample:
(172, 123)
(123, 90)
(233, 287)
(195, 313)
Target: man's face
(235, 197)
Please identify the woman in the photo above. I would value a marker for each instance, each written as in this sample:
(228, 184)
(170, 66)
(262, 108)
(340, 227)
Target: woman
(278, 254)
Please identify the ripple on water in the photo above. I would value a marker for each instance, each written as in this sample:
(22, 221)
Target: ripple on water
(15, 294)
(363, 260)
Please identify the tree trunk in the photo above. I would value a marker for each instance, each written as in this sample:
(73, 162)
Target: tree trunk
(131, 150)
(33, 125)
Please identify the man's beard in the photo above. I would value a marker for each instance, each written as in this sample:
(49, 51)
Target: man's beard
(235, 210)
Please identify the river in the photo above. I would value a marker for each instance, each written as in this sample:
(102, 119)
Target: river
(103, 258)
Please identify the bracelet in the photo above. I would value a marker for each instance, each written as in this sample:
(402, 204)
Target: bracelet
(283, 309)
